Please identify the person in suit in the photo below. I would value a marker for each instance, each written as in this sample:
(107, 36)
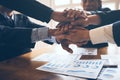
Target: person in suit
(15, 36)
(41, 12)
(95, 5)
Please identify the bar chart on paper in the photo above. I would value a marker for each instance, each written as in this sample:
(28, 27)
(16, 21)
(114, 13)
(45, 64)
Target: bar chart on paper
(79, 68)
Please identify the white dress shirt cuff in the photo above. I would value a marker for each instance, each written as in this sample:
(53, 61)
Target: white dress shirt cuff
(102, 35)
(39, 34)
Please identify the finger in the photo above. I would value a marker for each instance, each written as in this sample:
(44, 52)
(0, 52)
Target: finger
(65, 11)
(81, 14)
(65, 46)
(67, 27)
(67, 37)
(76, 23)
(80, 22)
(79, 44)
(78, 15)
(60, 37)
(70, 14)
(59, 25)
(63, 29)
(84, 42)
(73, 14)
(55, 32)
(79, 28)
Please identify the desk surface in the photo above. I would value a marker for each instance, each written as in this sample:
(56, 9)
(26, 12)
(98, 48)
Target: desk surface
(22, 68)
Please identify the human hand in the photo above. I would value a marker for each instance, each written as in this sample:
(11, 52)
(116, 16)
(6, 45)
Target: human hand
(60, 17)
(65, 43)
(55, 32)
(79, 44)
(79, 19)
(81, 22)
(67, 15)
(77, 35)
(64, 26)
(73, 24)
(75, 14)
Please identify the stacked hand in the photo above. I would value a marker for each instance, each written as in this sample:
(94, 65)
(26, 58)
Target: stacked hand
(71, 29)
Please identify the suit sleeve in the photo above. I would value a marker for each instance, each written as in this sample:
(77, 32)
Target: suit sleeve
(108, 17)
(116, 32)
(15, 35)
(31, 8)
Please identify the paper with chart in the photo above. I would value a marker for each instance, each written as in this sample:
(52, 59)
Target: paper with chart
(78, 68)
(110, 74)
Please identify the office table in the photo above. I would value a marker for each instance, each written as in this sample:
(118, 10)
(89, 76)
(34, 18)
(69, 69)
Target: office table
(22, 68)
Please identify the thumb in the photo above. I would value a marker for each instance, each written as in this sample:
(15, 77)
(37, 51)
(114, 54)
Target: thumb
(55, 32)
(76, 23)
(65, 45)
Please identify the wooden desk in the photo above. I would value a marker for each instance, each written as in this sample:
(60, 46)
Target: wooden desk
(22, 68)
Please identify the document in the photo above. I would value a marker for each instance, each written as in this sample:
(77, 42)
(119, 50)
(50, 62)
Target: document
(63, 56)
(48, 57)
(110, 74)
(77, 68)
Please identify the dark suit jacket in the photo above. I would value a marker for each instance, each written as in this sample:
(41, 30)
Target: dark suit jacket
(20, 36)
(15, 37)
(110, 17)
(30, 8)
(89, 44)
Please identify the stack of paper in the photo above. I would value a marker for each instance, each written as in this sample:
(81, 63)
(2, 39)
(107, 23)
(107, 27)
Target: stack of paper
(78, 68)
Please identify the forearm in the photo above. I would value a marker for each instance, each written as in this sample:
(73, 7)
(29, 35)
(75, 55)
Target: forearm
(23, 35)
(94, 20)
(33, 8)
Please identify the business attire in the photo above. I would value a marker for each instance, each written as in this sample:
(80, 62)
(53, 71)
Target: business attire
(33, 8)
(21, 37)
(17, 35)
(102, 47)
(108, 33)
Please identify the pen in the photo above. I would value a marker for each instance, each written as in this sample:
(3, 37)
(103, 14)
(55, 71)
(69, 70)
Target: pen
(110, 66)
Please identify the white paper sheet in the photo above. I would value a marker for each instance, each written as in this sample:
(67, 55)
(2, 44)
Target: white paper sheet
(48, 57)
(111, 59)
(78, 68)
(110, 74)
